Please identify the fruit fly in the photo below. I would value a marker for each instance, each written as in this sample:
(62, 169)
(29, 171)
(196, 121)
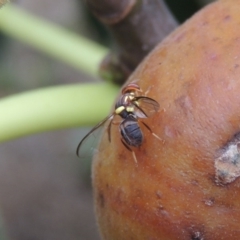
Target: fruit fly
(131, 107)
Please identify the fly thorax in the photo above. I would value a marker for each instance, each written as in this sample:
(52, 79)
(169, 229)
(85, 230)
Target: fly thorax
(124, 105)
(127, 99)
(121, 111)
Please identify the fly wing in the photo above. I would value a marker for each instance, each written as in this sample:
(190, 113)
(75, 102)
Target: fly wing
(88, 145)
(145, 106)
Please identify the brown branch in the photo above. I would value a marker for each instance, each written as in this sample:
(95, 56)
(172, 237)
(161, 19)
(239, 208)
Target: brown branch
(137, 26)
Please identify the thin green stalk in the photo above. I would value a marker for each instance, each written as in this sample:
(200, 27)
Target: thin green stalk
(54, 108)
(55, 41)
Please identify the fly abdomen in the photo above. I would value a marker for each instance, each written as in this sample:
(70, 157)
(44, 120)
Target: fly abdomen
(131, 132)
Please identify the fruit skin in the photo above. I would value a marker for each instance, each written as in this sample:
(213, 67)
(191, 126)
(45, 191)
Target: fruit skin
(172, 192)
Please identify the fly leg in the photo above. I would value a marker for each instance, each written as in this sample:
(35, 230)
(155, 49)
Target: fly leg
(116, 123)
(150, 130)
(128, 148)
(109, 128)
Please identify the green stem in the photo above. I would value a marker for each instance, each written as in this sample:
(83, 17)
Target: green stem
(77, 51)
(54, 108)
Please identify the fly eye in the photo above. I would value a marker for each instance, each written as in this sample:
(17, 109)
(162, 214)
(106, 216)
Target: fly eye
(132, 87)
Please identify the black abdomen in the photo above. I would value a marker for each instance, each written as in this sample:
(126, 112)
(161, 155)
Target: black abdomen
(131, 132)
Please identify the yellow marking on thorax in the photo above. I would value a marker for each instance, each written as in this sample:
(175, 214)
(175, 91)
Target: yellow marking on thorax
(125, 99)
(129, 97)
(137, 103)
(119, 109)
(130, 109)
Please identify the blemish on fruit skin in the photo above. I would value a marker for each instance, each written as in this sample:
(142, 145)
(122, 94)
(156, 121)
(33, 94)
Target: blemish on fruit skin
(227, 164)
(205, 23)
(101, 200)
(197, 236)
(179, 37)
(227, 18)
(185, 103)
(162, 212)
(209, 201)
(158, 195)
(213, 56)
(236, 66)
(196, 232)
(170, 132)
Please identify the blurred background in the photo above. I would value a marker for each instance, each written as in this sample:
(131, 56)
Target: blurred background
(45, 190)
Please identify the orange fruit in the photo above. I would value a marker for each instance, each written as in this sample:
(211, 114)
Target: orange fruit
(186, 186)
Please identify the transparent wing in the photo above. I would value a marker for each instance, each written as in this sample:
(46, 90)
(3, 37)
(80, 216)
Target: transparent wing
(88, 145)
(145, 106)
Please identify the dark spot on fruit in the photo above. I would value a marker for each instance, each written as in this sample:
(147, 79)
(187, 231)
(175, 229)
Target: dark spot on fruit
(196, 232)
(101, 199)
(197, 236)
(209, 201)
(227, 18)
(161, 212)
(194, 182)
(204, 23)
(119, 197)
